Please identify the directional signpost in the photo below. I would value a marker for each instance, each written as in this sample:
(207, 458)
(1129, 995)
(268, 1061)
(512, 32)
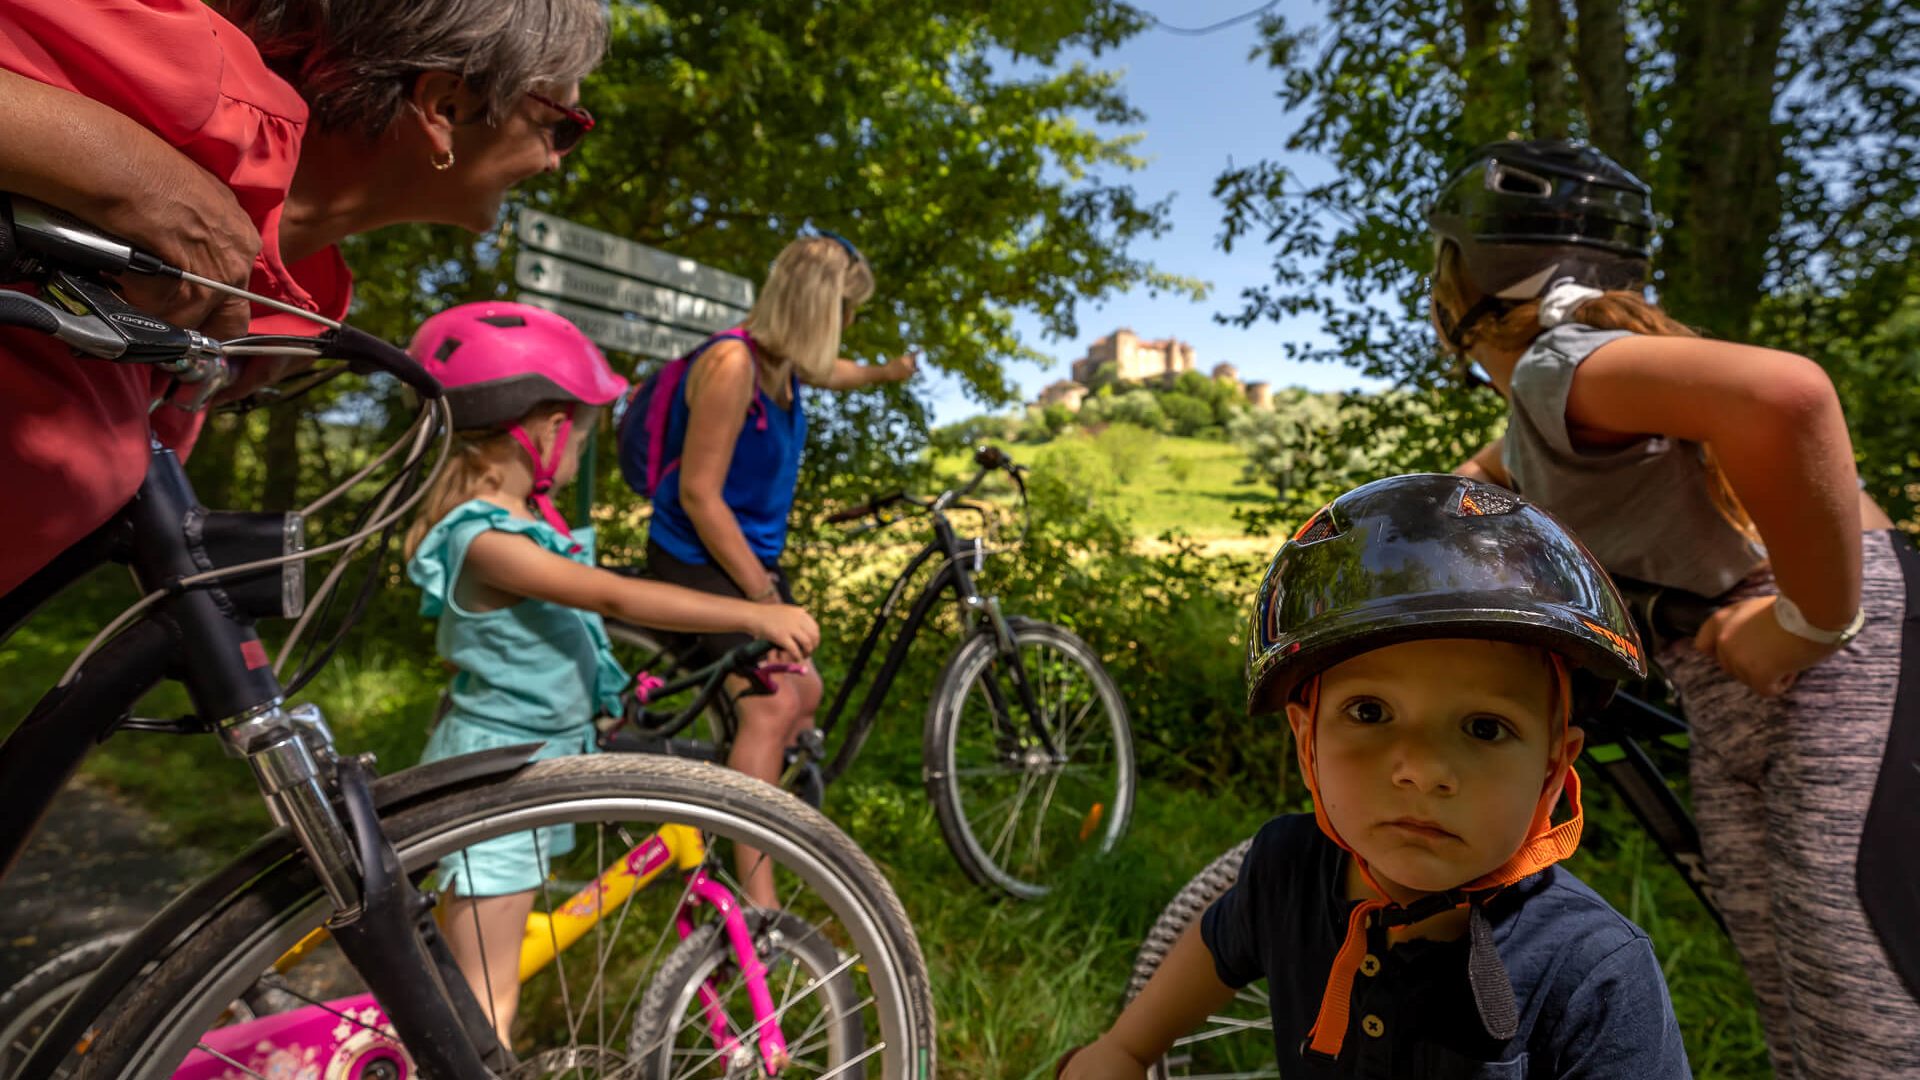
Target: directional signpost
(627, 297)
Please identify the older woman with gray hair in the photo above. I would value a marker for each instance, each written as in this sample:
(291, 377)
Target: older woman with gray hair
(243, 142)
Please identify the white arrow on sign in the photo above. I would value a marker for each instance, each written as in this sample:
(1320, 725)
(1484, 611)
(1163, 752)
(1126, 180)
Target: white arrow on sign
(610, 331)
(602, 249)
(571, 281)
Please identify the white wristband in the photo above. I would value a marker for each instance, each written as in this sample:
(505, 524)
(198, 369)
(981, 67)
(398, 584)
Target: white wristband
(1787, 614)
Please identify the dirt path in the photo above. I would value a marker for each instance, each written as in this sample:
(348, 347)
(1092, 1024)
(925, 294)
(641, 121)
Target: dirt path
(97, 864)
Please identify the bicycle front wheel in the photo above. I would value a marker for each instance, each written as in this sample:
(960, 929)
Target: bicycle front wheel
(1238, 1040)
(578, 1016)
(1014, 814)
(29, 1006)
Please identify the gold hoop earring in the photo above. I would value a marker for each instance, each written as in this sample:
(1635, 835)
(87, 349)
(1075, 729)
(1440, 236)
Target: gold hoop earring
(443, 166)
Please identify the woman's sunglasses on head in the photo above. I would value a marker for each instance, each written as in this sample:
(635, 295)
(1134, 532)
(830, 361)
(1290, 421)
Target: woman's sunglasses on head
(572, 126)
(852, 252)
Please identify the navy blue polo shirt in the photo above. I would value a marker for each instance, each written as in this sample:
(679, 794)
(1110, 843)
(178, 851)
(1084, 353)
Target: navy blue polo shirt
(1591, 998)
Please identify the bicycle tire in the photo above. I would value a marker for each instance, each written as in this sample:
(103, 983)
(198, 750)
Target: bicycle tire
(1248, 1026)
(162, 1019)
(30, 1004)
(36, 1000)
(1023, 766)
(695, 961)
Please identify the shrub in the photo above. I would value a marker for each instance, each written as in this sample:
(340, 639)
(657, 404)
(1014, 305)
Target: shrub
(1140, 408)
(1129, 450)
(1187, 415)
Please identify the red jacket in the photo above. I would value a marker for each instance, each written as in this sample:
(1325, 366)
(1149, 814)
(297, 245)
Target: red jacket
(73, 430)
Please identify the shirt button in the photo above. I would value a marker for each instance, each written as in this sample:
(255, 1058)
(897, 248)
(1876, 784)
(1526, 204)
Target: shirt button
(1369, 965)
(1372, 1026)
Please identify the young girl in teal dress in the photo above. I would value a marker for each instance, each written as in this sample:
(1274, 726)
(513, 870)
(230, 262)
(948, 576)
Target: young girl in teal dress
(519, 599)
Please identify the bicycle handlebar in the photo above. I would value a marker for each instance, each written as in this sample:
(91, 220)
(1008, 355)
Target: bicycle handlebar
(988, 457)
(740, 660)
(62, 253)
(362, 350)
(860, 510)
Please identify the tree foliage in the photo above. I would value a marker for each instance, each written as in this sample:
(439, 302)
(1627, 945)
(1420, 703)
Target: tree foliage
(920, 129)
(1781, 138)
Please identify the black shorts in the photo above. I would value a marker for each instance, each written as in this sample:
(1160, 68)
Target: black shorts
(697, 649)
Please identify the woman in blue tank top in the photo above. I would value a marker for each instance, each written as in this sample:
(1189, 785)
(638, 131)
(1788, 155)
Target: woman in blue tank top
(739, 421)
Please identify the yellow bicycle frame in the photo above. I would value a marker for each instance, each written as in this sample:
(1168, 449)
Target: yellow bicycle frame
(673, 846)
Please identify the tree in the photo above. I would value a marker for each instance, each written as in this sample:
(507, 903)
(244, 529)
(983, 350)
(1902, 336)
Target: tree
(1296, 450)
(920, 129)
(909, 126)
(1781, 137)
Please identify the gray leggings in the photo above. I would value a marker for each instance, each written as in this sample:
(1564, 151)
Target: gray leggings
(1780, 790)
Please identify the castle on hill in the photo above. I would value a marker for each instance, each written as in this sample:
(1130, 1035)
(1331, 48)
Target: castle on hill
(1137, 361)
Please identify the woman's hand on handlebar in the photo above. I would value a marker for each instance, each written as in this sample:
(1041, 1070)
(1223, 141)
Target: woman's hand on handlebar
(81, 156)
(191, 220)
(789, 627)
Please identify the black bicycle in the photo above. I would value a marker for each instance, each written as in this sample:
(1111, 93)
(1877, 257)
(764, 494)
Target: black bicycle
(1633, 743)
(332, 911)
(1027, 753)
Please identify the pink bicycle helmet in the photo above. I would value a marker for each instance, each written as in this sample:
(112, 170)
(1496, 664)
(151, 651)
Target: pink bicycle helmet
(498, 360)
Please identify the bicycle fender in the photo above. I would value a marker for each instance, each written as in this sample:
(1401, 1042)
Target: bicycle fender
(210, 894)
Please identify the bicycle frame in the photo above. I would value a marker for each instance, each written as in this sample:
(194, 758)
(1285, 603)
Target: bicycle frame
(347, 1034)
(975, 609)
(1615, 749)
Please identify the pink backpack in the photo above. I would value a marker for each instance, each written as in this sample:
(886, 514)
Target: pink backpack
(645, 457)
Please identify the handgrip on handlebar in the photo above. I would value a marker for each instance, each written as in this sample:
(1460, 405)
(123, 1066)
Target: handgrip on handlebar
(851, 513)
(860, 510)
(988, 456)
(364, 350)
(19, 309)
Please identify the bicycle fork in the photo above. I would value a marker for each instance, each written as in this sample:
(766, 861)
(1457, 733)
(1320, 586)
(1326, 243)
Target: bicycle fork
(1007, 656)
(383, 925)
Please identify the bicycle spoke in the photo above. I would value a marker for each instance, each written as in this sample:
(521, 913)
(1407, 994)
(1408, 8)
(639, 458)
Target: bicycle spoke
(1040, 815)
(694, 1018)
(869, 1052)
(736, 993)
(217, 1055)
(773, 1017)
(598, 988)
(559, 957)
(652, 965)
(480, 937)
(1008, 831)
(1067, 728)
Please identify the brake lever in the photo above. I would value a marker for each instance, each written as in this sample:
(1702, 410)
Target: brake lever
(112, 329)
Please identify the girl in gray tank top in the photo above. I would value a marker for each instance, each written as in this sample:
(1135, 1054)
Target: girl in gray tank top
(1725, 470)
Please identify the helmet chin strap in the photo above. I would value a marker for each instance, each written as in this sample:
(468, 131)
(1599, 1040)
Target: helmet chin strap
(544, 470)
(1545, 845)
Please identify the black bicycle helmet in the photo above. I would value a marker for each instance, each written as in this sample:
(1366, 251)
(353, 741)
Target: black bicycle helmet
(1526, 214)
(1430, 555)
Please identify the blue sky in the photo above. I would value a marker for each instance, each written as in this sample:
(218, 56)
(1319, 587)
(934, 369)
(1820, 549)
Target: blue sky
(1206, 104)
